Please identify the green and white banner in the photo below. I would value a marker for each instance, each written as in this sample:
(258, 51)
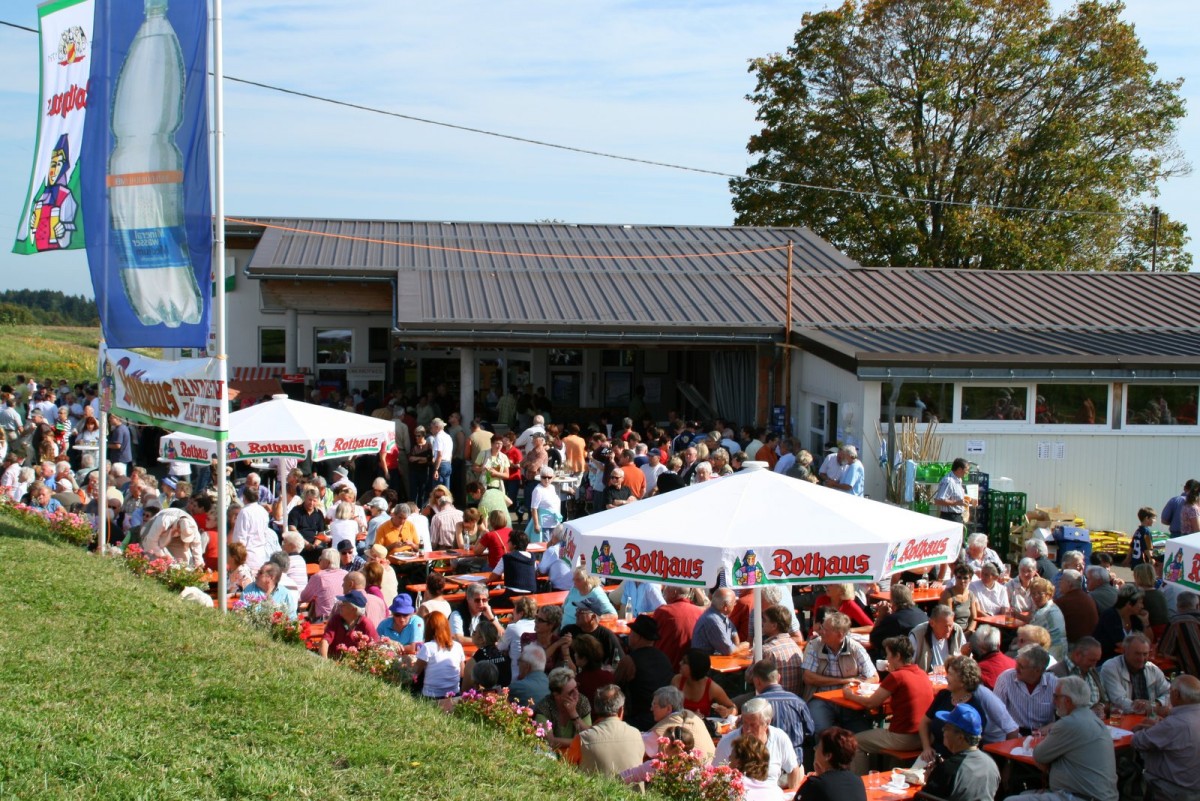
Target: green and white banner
(183, 395)
(50, 217)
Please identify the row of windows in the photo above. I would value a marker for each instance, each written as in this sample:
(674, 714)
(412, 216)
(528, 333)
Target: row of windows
(1043, 404)
(333, 346)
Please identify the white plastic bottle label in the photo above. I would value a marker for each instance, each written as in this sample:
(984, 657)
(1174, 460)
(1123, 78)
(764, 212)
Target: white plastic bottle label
(144, 248)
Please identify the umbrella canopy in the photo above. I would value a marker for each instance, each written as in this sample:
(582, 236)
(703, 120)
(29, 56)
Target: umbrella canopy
(1181, 561)
(288, 429)
(756, 528)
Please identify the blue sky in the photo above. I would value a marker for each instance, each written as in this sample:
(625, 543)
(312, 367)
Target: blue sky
(664, 81)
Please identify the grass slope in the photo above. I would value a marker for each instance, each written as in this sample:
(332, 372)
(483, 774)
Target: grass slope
(48, 352)
(114, 689)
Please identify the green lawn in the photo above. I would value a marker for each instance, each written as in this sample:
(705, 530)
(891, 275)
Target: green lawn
(113, 689)
(48, 352)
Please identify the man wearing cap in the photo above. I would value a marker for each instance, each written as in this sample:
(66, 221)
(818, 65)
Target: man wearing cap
(587, 621)
(1078, 750)
(403, 626)
(349, 557)
(349, 618)
(642, 671)
(967, 774)
(341, 478)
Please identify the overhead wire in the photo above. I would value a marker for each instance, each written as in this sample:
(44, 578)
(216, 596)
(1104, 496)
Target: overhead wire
(653, 162)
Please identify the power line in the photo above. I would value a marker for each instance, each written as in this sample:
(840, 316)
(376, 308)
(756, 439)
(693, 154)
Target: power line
(651, 162)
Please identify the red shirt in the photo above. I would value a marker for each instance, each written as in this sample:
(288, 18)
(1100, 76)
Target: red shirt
(496, 543)
(514, 462)
(992, 665)
(912, 695)
(849, 608)
(675, 623)
(337, 634)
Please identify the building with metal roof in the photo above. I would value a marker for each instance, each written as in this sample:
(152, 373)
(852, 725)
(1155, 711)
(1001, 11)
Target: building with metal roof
(1097, 363)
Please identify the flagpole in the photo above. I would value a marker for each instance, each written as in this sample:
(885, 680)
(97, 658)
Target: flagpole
(219, 299)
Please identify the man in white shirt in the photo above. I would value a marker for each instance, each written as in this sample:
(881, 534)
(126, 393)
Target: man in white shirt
(756, 722)
(443, 452)
(525, 441)
(253, 529)
(652, 470)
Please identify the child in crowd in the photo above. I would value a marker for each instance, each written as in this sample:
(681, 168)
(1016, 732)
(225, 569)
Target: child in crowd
(1141, 549)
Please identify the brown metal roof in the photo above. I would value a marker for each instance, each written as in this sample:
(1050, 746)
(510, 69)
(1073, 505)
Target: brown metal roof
(556, 282)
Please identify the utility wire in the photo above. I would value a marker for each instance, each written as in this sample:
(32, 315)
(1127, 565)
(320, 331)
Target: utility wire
(650, 162)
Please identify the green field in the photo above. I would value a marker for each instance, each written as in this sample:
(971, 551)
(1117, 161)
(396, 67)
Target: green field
(113, 689)
(48, 352)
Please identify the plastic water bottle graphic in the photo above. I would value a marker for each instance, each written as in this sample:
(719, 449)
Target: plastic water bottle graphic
(145, 177)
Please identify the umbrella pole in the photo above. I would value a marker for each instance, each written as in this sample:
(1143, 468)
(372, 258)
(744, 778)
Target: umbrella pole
(282, 497)
(757, 623)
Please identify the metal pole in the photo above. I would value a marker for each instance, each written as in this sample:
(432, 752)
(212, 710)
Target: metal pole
(102, 466)
(219, 299)
(758, 610)
(787, 340)
(1154, 215)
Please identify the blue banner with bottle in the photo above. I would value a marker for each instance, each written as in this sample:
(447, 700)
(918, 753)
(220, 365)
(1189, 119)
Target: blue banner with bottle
(147, 200)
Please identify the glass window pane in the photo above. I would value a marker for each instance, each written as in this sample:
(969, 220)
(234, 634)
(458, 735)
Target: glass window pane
(1160, 405)
(272, 346)
(334, 345)
(379, 345)
(994, 403)
(617, 358)
(925, 402)
(566, 357)
(1071, 404)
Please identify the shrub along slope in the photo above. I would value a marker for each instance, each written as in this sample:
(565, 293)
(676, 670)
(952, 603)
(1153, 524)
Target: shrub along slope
(115, 689)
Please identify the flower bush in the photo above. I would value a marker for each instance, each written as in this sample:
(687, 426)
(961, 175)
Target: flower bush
(683, 776)
(164, 569)
(74, 528)
(514, 719)
(384, 659)
(266, 616)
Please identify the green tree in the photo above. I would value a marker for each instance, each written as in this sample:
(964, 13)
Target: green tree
(959, 115)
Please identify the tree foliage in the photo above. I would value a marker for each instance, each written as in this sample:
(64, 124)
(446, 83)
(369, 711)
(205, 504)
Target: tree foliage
(960, 115)
(47, 307)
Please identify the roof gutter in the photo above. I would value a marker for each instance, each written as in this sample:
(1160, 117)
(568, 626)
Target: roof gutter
(492, 335)
(1077, 375)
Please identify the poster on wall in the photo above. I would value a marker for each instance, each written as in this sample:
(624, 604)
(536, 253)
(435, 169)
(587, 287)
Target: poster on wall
(145, 169)
(50, 216)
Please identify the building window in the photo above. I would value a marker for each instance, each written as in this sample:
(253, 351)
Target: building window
(565, 357)
(616, 358)
(922, 402)
(334, 345)
(1160, 405)
(379, 345)
(272, 346)
(994, 403)
(1071, 404)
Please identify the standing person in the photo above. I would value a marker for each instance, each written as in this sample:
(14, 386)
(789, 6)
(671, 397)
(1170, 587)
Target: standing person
(1078, 750)
(1189, 512)
(1170, 516)
(1141, 547)
(420, 461)
(253, 529)
(120, 443)
(442, 453)
(853, 476)
(951, 497)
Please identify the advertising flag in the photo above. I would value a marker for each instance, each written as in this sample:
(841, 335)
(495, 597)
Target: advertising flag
(182, 395)
(147, 200)
(50, 217)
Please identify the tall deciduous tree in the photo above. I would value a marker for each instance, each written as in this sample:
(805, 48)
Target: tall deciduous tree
(969, 120)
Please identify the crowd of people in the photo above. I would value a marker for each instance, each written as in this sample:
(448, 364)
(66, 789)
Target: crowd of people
(330, 540)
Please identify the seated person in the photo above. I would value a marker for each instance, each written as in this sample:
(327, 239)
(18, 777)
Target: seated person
(910, 692)
(966, 774)
(938, 640)
(898, 617)
(1028, 689)
(831, 779)
(531, 684)
(403, 626)
(266, 587)
(517, 567)
(841, 598)
(832, 661)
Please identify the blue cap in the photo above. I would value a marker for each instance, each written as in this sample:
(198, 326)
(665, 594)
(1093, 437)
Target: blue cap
(963, 717)
(402, 605)
(355, 598)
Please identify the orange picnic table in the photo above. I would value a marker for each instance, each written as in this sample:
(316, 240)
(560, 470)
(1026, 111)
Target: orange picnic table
(1005, 748)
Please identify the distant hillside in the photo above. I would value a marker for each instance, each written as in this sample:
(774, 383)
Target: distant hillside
(46, 307)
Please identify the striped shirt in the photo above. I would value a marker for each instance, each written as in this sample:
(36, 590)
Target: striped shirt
(1031, 710)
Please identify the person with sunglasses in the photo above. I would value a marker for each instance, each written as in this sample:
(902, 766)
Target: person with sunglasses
(545, 507)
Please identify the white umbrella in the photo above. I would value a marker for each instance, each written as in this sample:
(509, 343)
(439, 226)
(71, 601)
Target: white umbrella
(757, 528)
(282, 428)
(1181, 561)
